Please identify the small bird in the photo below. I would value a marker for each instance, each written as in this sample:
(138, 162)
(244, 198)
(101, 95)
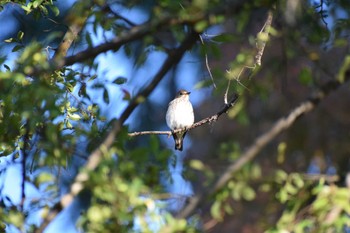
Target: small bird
(180, 116)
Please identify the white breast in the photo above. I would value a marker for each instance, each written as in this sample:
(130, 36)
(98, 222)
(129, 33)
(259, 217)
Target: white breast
(179, 114)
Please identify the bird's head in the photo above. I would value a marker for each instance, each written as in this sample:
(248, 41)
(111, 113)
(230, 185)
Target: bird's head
(183, 94)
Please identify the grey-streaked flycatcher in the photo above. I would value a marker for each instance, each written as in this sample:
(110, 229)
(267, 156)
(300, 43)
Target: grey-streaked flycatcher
(180, 116)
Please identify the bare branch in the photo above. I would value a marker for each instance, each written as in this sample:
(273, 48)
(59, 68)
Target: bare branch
(262, 141)
(261, 40)
(195, 125)
(207, 65)
(140, 133)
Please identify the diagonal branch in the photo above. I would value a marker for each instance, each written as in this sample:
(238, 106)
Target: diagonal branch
(139, 31)
(76, 24)
(95, 157)
(282, 124)
(262, 38)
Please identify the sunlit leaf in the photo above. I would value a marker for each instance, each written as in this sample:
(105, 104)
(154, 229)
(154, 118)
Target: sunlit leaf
(215, 211)
(74, 116)
(197, 164)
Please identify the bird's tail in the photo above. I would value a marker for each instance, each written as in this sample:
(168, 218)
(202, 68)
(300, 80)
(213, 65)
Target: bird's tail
(178, 144)
(178, 138)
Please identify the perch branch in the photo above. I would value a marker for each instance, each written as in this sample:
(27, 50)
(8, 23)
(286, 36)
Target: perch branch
(195, 125)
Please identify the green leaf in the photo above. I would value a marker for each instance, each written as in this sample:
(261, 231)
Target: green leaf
(154, 143)
(7, 67)
(69, 125)
(88, 39)
(298, 180)
(197, 164)
(20, 35)
(55, 10)
(248, 193)
(305, 76)
(215, 211)
(228, 209)
(280, 176)
(10, 40)
(74, 116)
(44, 10)
(105, 96)
(282, 196)
(291, 189)
(201, 26)
(16, 48)
(44, 177)
(255, 171)
(120, 80)
(36, 3)
(93, 77)
(223, 38)
(69, 87)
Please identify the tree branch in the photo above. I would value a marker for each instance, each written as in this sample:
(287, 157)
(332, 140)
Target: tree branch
(25, 140)
(140, 31)
(262, 38)
(195, 125)
(281, 125)
(75, 25)
(135, 33)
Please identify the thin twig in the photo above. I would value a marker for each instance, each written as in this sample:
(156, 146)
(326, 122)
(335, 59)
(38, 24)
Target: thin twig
(23, 162)
(227, 89)
(140, 133)
(207, 65)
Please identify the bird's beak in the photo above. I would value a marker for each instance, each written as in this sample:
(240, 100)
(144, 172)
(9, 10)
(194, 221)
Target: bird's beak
(188, 92)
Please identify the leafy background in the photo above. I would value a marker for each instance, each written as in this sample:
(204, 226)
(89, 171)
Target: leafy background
(77, 76)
